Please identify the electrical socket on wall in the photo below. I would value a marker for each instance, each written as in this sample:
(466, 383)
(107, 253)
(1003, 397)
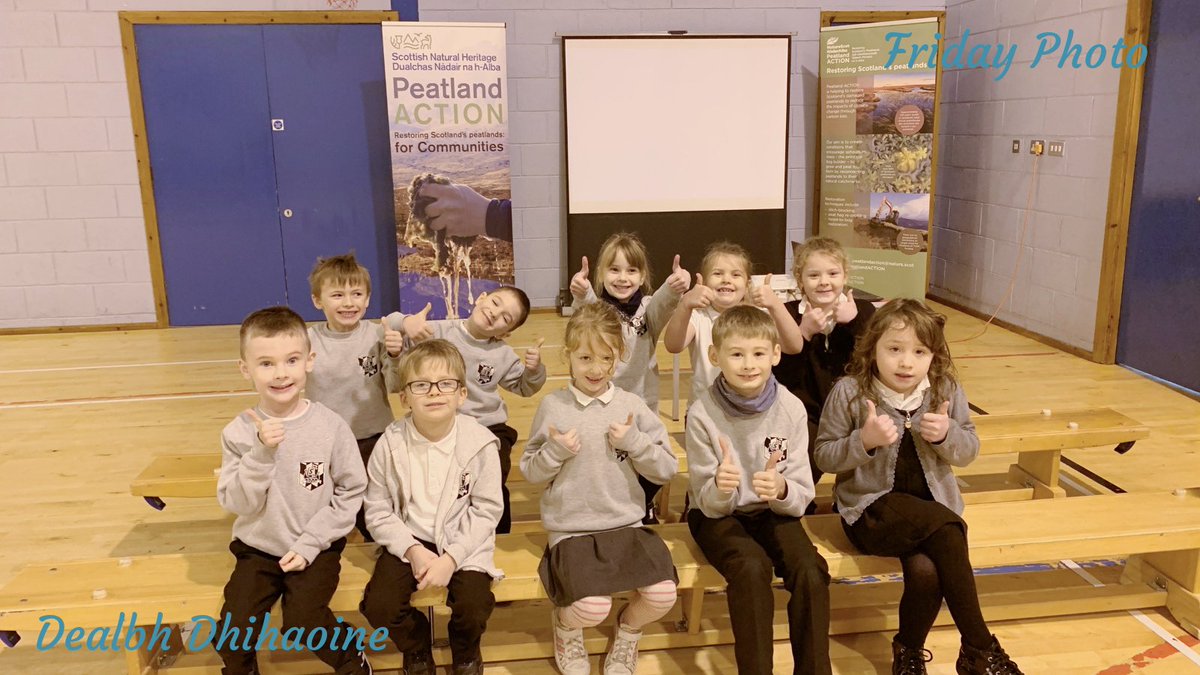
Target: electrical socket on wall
(1037, 147)
(1016, 146)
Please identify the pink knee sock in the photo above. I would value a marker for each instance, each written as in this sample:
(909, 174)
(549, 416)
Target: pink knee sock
(585, 612)
(650, 604)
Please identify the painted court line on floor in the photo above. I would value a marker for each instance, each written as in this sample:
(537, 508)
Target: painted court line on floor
(1002, 356)
(1140, 616)
(127, 399)
(115, 365)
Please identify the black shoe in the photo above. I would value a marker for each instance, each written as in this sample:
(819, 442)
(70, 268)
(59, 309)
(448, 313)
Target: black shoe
(990, 661)
(419, 663)
(472, 667)
(908, 661)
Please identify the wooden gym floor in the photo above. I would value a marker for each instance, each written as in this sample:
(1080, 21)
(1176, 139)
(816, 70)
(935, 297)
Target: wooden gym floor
(81, 414)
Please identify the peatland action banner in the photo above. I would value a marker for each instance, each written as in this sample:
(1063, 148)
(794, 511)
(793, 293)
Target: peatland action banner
(447, 93)
(877, 154)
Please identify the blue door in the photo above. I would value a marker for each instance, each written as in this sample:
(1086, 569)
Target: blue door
(244, 210)
(204, 91)
(1160, 305)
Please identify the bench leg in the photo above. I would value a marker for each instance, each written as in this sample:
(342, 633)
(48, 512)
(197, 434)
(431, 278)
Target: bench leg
(140, 662)
(1038, 470)
(693, 600)
(1179, 573)
(675, 388)
(662, 504)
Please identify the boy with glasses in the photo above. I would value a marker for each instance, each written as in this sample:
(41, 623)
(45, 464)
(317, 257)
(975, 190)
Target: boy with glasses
(433, 501)
(490, 364)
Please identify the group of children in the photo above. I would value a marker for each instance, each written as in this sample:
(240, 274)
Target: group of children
(870, 395)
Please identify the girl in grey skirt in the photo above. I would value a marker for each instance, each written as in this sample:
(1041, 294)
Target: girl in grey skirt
(589, 443)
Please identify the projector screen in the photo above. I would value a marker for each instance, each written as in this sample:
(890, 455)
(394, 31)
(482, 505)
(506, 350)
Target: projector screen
(676, 123)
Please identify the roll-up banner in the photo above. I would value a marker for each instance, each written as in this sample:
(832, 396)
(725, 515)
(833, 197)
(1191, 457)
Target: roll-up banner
(877, 131)
(447, 99)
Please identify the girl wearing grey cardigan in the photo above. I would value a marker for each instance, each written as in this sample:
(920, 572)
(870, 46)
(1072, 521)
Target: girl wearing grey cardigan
(892, 430)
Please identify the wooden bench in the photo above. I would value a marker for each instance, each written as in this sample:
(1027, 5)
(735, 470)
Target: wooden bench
(1038, 441)
(195, 475)
(1160, 530)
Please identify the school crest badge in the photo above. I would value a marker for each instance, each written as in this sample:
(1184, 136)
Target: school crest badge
(464, 484)
(486, 373)
(312, 475)
(638, 324)
(369, 365)
(774, 443)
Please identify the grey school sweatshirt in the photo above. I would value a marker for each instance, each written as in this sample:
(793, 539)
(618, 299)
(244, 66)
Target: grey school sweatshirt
(468, 509)
(596, 490)
(352, 375)
(863, 477)
(298, 497)
(637, 371)
(491, 364)
(783, 426)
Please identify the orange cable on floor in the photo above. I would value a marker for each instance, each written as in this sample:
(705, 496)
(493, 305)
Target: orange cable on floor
(1012, 282)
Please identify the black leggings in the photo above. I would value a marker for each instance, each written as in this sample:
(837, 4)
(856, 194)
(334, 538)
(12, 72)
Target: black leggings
(940, 567)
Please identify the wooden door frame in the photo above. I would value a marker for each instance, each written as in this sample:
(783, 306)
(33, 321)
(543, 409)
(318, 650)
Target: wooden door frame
(128, 22)
(1120, 189)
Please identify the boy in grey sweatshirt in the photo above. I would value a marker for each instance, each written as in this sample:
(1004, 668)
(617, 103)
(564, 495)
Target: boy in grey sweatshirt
(490, 364)
(433, 501)
(355, 364)
(749, 484)
(291, 473)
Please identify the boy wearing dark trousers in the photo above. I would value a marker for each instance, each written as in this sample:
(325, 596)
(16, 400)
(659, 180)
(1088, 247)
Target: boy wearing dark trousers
(355, 364)
(749, 484)
(290, 470)
(433, 501)
(490, 365)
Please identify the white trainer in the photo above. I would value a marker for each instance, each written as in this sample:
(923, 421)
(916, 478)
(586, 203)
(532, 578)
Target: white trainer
(623, 655)
(570, 655)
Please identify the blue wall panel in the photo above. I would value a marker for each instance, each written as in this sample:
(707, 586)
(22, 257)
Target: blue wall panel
(1160, 307)
(204, 93)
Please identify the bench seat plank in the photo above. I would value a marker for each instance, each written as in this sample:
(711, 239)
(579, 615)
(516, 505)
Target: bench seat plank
(181, 585)
(192, 475)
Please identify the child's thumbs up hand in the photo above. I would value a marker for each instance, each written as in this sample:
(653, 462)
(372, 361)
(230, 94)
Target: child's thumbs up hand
(769, 483)
(393, 340)
(416, 326)
(700, 296)
(618, 430)
(270, 430)
(846, 311)
(679, 280)
(764, 295)
(879, 430)
(579, 282)
(729, 476)
(935, 425)
(533, 355)
(813, 321)
(569, 440)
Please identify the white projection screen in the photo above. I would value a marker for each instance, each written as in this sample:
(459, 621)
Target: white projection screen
(681, 138)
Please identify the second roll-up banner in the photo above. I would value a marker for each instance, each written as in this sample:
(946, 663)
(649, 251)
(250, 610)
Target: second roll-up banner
(876, 154)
